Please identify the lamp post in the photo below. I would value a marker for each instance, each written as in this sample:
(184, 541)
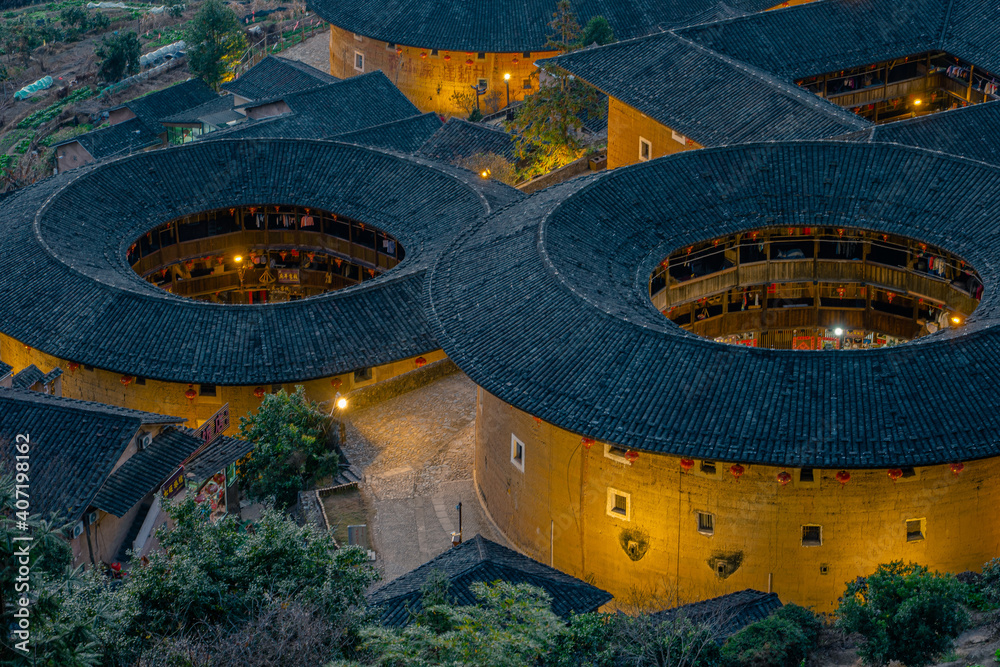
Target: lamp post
(340, 403)
(506, 80)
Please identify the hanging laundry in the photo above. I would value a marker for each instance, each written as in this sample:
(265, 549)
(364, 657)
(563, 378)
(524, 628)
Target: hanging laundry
(307, 221)
(260, 220)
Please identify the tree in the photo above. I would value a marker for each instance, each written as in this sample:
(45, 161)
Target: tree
(293, 444)
(783, 639)
(904, 612)
(119, 56)
(216, 43)
(548, 124)
(598, 31)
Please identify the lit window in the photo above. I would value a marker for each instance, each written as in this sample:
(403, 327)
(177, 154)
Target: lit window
(679, 138)
(359, 61)
(645, 149)
(706, 523)
(619, 504)
(914, 530)
(516, 452)
(812, 536)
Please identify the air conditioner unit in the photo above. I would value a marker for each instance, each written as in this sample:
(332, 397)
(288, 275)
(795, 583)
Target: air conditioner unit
(145, 440)
(78, 529)
(91, 518)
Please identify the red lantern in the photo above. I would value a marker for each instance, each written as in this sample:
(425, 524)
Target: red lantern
(73, 366)
(423, 54)
(399, 50)
(190, 393)
(419, 361)
(737, 470)
(126, 380)
(895, 474)
(295, 253)
(631, 455)
(687, 464)
(283, 254)
(469, 62)
(784, 478)
(336, 382)
(189, 265)
(259, 392)
(515, 61)
(538, 420)
(843, 477)
(957, 468)
(28, 348)
(447, 57)
(311, 256)
(587, 442)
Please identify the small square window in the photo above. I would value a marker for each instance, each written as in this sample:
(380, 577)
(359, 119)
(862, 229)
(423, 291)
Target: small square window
(908, 472)
(517, 452)
(645, 149)
(824, 569)
(206, 390)
(706, 523)
(434, 52)
(812, 536)
(914, 530)
(616, 453)
(708, 467)
(679, 138)
(481, 56)
(358, 37)
(526, 84)
(88, 367)
(359, 61)
(483, 84)
(619, 504)
(275, 388)
(139, 380)
(806, 475)
(363, 375)
(390, 46)
(526, 54)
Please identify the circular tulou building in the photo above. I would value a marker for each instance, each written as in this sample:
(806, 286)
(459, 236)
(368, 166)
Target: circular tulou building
(176, 281)
(767, 366)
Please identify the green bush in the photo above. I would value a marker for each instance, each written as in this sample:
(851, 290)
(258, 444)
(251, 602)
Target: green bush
(904, 612)
(807, 621)
(990, 582)
(772, 642)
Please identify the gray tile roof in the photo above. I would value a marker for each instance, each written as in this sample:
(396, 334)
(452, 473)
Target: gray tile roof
(460, 139)
(275, 76)
(480, 560)
(511, 26)
(5, 370)
(216, 457)
(215, 112)
(123, 138)
(546, 306)
(170, 101)
(727, 614)
(73, 446)
(972, 132)
(97, 311)
(680, 84)
(337, 108)
(402, 136)
(146, 470)
(27, 377)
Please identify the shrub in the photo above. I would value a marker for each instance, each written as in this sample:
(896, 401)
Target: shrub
(904, 612)
(775, 641)
(990, 582)
(804, 618)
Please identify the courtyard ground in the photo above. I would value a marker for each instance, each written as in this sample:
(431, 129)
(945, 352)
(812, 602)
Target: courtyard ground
(416, 451)
(315, 51)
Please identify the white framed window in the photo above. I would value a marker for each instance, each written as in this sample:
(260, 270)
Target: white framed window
(517, 452)
(706, 523)
(812, 535)
(359, 61)
(616, 453)
(916, 530)
(390, 46)
(645, 149)
(358, 37)
(619, 504)
(679, 138)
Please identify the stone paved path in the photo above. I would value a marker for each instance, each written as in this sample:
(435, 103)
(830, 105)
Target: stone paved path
(315, 51)
(416, 451)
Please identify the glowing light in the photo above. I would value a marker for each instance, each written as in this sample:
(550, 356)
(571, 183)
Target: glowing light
(484, 174)
(838, 331)
(341, 403)
(238, 258)
(956, 320)
(918, 101)
(506, 76)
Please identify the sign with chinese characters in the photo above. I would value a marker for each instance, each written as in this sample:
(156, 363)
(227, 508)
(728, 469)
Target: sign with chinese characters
(174, 485)
(288, 276)
(214, 426)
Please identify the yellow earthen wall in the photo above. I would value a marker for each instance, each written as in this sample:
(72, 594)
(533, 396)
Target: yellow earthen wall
(168, 398)
(556, 511)
(430, 81)
(626, 125)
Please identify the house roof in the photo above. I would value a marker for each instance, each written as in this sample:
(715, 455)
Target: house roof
(27, 377)
(459, 139)
(172, 100)
(73, 446)
(479, 560)
(217, 111)
(337, 108)
(527, 303)
(727, 614)
(216, 457)
(403, 136)
(511, 26)
(275, 76)
(680, 84)
(146, 470)
(970, 131)
(130, 136)
(67, 236)
(5, 370)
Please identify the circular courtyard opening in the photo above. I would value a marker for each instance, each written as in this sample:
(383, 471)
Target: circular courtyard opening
(814, 288)
(266, 253)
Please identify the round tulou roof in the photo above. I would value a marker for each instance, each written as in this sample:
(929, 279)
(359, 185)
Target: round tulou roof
(547, 307)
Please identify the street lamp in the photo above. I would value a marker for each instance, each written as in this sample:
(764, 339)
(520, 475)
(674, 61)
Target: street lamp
(341, 404)
(506, 80)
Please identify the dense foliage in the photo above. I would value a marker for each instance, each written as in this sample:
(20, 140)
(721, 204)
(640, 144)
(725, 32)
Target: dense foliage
(904, 612)
(598, 31)
(119, 56)
(293, 445)
(784, 639)
(216, 43)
